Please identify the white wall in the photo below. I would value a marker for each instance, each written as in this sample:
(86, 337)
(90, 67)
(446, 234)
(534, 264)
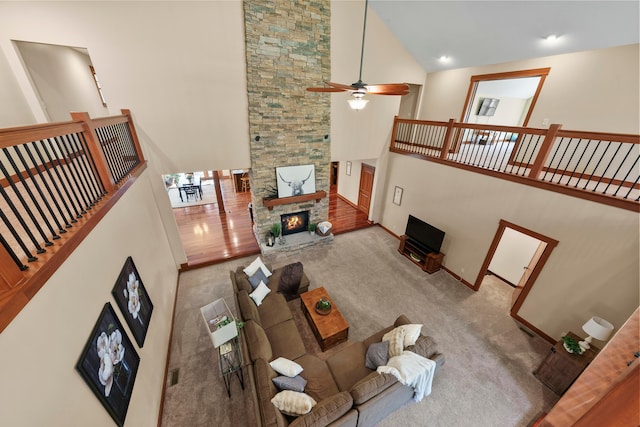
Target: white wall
(514, 252)
(14, 110)
(40, 347)
(365, 134)
(579, 91)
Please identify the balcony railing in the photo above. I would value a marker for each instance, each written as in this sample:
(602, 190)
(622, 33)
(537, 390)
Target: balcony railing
(596, 166)
(56, 182)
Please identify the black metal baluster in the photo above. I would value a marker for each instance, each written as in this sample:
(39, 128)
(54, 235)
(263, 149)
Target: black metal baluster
(78, 184)
(54, 182)
(12, 254)
(35, 202)
(104, 145)
(65, 169)
(631, 168)
(61, 229)
(117, 157)
(98, 180)
(565, 169)
(597, 165)
(578, 165)
(550, 167)
(619, 166)
(607, 168)
(527, 164)
(87, 175)
(14, 233)
(13, 208)
(58, 167)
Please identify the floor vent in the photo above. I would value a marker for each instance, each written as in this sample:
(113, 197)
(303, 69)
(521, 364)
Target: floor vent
(527, 332)
(174, 377)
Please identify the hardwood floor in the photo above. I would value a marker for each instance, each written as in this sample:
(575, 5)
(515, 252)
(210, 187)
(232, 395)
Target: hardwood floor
(209, 237)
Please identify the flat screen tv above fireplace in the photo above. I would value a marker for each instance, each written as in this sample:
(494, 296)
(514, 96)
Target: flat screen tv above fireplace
(423, 234)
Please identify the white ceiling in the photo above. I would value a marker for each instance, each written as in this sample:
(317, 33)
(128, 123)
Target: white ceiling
(475, 33)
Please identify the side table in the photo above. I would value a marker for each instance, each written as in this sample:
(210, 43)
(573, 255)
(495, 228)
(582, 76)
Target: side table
(230, 358)
(560, 368)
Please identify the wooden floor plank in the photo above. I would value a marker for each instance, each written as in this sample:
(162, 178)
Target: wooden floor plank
(209, 237)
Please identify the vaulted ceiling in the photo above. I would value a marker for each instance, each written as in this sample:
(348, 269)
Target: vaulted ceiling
(475, 33)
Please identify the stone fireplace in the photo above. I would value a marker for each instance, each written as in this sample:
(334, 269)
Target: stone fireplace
(288, 126)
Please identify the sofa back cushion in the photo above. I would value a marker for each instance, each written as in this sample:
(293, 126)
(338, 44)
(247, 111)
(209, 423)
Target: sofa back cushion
(265, 389)
(425, 346)
(370, 386)
(242, 280)
(257, 341)
(248, 309)
(326, 411)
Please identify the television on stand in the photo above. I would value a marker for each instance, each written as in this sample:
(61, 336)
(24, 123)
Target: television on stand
(421, 243)
(424, 235)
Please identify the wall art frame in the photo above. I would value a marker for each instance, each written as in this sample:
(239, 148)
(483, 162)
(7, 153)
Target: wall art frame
(133, 300)
(397, 195)
(348, 168)
(296, 180)
(109, 364)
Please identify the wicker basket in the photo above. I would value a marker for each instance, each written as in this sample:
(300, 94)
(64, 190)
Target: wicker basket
(327, 232)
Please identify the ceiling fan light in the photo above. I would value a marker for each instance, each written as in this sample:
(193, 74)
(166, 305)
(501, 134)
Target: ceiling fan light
(358, 103)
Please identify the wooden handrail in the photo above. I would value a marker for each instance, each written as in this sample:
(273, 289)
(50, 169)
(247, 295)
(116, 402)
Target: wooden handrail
(544, 151)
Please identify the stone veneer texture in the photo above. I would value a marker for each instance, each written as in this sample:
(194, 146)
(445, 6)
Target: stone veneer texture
(287, 50)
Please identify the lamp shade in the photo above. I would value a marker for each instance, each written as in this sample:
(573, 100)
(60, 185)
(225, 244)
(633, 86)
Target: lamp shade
(598, 328)
(357, 103)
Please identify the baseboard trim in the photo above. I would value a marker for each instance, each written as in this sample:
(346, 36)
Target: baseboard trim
(347, 201)
(533, 329)
(166, 365)
(501, 278)
(459, 278)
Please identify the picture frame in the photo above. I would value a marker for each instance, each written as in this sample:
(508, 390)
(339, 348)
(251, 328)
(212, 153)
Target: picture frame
(109, 364)
(397, 195)
(133, 300)
(296, 180)
(348, 168)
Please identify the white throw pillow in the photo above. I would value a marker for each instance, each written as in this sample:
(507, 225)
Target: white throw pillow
(396, 341)
(411, 333)
(286, 367)
(254, 266)
(259, 293)
(293, 403)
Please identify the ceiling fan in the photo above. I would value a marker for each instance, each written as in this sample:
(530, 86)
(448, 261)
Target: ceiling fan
(359, 89)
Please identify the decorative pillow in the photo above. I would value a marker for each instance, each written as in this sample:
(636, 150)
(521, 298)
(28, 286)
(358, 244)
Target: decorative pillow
(396, 341)
(290, 278)
(296, 383)
(258, 277)
(377, 355)
(286, 367)
(256, 264)
(411, 333)
(258, 295)
(293, 403)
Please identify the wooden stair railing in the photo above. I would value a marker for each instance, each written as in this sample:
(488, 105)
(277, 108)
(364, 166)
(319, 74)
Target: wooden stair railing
(59, 176)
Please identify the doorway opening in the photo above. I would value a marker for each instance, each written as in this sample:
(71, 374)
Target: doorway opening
(516, 256)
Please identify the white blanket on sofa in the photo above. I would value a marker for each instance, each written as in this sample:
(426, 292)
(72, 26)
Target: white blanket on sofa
(412, 370)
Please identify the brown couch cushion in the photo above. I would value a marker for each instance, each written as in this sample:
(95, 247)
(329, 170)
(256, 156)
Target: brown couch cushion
(285, 341)
(248, 308)
(325, 411)
(257, 341)
(242, 280)
(370, 386)
(273, 310)
(320, 383)
(425, 346)
(290, 278)
(265, 389)
(347, 366)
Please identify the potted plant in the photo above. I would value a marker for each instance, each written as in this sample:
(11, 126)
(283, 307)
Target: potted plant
(312, 228)
(323, 306)
(275, 229)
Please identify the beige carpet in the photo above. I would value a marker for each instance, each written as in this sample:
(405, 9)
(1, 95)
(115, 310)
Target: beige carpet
(486, 380)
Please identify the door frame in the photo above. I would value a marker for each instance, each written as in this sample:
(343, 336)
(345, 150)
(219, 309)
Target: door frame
(363, 168)
(551, 244)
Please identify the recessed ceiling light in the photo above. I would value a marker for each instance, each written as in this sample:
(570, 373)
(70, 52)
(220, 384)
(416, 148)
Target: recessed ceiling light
(444, 58)
(552, 38)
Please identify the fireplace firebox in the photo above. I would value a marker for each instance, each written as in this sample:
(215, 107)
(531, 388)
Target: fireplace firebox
(294, 222)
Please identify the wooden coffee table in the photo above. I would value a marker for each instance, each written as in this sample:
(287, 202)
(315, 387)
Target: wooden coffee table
(330, 329)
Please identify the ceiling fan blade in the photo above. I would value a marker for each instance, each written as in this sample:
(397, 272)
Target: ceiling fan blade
(324, 89)
(341, 86)
(388, 89)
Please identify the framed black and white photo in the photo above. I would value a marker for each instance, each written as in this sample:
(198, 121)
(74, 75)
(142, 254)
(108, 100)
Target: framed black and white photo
(133, 300)
(397, 195)
(348, 168)
(109, 364)
(296, 180)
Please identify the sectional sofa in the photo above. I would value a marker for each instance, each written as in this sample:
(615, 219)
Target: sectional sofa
(346, 391)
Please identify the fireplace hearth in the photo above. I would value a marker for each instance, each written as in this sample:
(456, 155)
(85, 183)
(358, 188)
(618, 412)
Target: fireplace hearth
(294, 222)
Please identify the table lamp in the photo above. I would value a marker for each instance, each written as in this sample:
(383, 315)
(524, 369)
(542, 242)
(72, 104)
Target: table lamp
(597, 328)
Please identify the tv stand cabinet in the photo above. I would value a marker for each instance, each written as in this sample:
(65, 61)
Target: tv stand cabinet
(427, 261)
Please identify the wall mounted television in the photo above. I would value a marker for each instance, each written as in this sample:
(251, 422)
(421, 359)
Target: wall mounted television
(488, 106)
(425, 235)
